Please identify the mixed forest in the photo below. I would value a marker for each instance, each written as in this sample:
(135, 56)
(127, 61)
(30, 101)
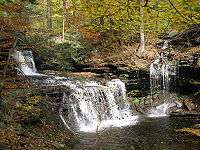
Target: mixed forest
(90, 36)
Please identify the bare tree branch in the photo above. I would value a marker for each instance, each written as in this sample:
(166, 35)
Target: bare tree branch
(186, 18)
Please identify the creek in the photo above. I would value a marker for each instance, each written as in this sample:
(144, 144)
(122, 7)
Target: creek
(103, 117)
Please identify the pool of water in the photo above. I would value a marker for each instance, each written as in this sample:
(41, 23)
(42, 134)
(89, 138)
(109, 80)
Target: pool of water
(147, 134)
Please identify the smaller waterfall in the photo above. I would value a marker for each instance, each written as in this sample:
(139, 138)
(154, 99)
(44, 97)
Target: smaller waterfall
(162, 79)
(26, 63)
(162, 73)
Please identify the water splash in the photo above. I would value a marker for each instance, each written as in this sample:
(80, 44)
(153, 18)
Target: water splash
(163, 109)
(97, 106)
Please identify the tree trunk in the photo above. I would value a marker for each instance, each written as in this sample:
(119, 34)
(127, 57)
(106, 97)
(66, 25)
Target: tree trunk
(74, 7)
(142, 36)
(49, 13)
(64, 18)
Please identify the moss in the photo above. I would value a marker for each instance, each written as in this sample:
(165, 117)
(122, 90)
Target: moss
(198, 62)
(195, 82)
(136, 101)
(28, 121)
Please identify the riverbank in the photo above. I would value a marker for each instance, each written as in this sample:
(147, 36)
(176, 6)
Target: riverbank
(30, 119)
(127, 57)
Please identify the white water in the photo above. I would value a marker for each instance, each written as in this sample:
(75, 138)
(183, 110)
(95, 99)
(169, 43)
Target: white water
(163, 109)
(162, 76)
(98, 106)
(162, 72)
(159, 111)
(165, 45)
(92, 105)
(26, 63)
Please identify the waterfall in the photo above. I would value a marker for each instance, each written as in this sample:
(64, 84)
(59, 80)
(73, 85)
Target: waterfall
(26, 63)
(94, 105)
(91, 106)
(118, 89)
(162, 73)
(159, 111)
(162, 78)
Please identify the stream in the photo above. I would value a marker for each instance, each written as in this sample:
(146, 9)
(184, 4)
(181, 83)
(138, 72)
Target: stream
(102, 117)
(148, 134)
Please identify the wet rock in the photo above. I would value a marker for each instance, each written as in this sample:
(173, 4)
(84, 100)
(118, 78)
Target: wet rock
(123, 70)
(183, 108)
(184, 114)
(58, 145)
(124, 76)
(98, 70)
(134, 93)
(196, 126)
(79, 67)
(174, 110)
(111, 66)
(190, 106)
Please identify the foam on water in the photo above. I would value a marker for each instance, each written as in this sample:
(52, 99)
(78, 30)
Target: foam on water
(163, 109)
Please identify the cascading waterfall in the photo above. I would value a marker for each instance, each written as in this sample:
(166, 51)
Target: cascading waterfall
(95, 105)
(92, 106)
(162, 75)
(26, 63)
(160, 110)
(162, 72)
(118, 89)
